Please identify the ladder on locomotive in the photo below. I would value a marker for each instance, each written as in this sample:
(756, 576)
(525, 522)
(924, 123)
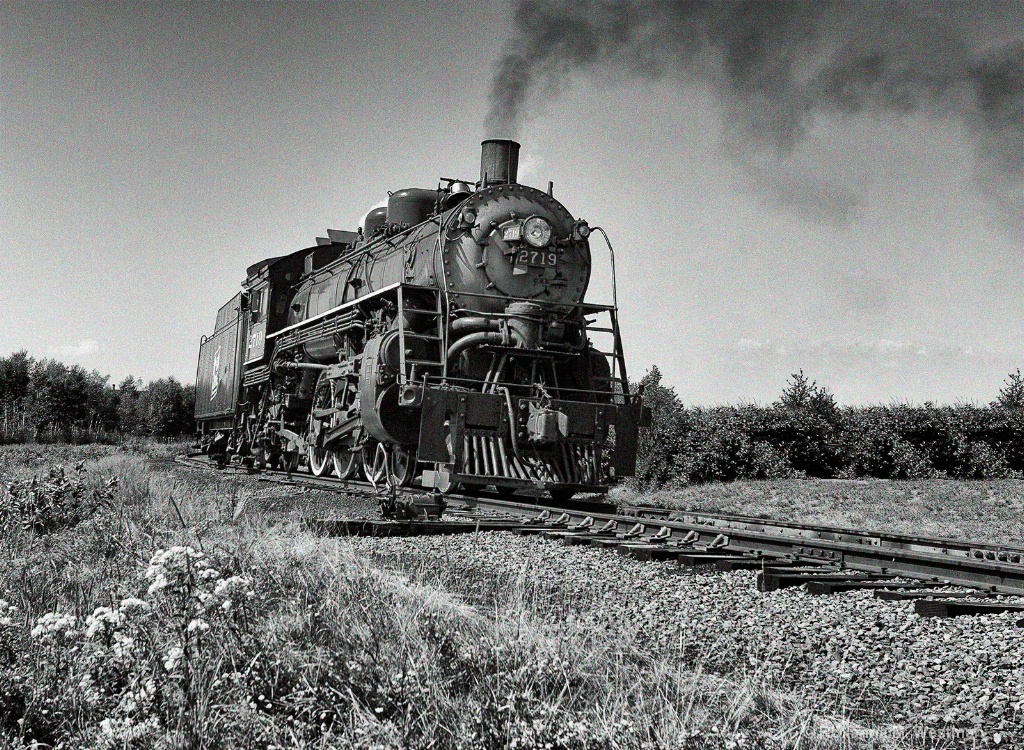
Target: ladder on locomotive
(427, 366)
(617, 381)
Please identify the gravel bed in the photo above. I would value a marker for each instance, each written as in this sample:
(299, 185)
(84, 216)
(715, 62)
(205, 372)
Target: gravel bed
(959, 680)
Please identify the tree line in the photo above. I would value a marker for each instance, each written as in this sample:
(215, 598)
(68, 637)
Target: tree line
(43, 399)
(805, 433)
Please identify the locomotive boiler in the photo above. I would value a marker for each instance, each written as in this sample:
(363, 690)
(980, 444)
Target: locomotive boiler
(445, 344)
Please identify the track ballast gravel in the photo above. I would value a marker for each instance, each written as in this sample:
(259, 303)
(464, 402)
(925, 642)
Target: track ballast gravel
(960, 680)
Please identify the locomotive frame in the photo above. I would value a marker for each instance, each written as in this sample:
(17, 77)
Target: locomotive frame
(447, 344)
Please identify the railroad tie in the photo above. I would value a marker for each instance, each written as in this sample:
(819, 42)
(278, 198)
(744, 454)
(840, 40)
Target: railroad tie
(757, 562)
(958, 608)
(361, 527)
(693, 558)
(773, 580)
(819, 588)
(891, 595)
(648, 552)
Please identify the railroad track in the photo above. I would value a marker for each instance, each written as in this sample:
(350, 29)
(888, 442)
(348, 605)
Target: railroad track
(826, 559)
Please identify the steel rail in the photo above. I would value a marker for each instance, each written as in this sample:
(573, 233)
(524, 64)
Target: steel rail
(935, 561)
(953, 561)
(981, 550)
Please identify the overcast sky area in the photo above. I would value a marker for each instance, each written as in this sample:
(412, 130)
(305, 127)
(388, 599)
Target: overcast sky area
(152, 152)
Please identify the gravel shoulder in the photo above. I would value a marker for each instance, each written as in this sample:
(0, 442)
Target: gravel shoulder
(956, 681)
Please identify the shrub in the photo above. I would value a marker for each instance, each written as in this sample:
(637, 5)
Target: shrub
(806, 434)
(57, 501)
(660, 444)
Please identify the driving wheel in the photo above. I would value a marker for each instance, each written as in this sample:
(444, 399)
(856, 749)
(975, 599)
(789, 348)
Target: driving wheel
(403, 465)
(375, 462)
(346, 461)
(319, 457)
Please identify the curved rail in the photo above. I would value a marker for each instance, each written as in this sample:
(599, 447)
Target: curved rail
(980, 565)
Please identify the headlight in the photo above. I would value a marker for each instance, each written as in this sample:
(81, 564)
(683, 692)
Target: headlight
(537, 231)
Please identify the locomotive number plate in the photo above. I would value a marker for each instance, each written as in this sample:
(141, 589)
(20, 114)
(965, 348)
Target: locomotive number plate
(536, 258)
(513, 233)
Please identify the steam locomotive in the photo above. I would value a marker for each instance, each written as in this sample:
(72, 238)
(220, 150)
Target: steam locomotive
(445, 344)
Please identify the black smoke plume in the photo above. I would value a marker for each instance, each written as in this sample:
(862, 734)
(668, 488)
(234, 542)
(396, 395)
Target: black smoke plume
(776, 65)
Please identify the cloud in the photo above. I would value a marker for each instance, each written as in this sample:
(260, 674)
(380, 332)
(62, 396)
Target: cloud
(780, 69)
(531, 165)
(83, 348)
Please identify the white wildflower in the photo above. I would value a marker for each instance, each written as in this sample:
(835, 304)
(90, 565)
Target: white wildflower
(174, 656)
(102, 620)
(124, 646)
(131, 604)
(199, 625)
(54, 625)
(172, 567)
(7, 614)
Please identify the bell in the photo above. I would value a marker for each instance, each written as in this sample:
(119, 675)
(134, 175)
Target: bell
(457, 192)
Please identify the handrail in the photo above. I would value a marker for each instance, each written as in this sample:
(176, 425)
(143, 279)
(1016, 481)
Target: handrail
(611, 254)
(339, 308)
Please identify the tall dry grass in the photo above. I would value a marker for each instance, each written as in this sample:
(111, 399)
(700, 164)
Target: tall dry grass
(169, 619)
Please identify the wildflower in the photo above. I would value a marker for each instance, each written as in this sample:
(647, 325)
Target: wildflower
(232, 584)
(199, 625)
(101, 620)
(124, 646)
(131, 604)
(7, 612)
(173, 567)
(174, 656)
(54, 625)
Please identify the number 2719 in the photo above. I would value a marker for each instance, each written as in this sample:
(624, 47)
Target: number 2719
(536, 258)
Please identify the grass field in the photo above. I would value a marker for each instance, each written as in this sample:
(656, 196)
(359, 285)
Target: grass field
(985, 510)
(145, 605)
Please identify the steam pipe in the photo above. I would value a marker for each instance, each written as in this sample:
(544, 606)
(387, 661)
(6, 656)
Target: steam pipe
(468, 325)
(300, 366)
(473, 339)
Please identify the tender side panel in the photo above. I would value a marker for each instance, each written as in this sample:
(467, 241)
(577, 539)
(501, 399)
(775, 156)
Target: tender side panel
(229, 312)
(217, 379)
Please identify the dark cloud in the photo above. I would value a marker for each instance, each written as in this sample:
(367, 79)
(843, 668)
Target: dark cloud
(776, 65)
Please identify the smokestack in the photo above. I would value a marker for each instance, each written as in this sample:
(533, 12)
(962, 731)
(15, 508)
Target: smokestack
(499, 161)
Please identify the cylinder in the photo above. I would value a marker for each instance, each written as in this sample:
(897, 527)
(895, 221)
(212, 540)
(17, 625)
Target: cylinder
(499, 162)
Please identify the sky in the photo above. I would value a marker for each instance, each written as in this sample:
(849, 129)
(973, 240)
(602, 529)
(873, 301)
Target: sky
(152, 152)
